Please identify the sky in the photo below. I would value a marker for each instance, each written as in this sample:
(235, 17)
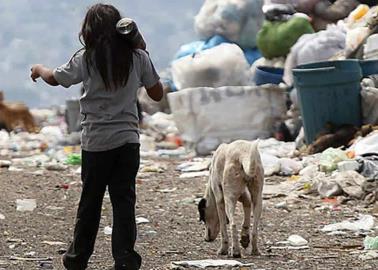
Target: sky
(46, 32)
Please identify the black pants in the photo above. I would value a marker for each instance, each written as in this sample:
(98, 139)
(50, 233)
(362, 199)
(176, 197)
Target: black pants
(116, 169)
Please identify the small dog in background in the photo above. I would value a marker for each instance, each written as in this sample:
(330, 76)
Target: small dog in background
(15, 115)
(236, 174)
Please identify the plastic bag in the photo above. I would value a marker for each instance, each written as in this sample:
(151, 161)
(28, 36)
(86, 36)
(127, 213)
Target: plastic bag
(371, 243)
(330, 158)
(236, 20)
(222, 65)
(366, 145)
(369, 99)
(276, 38)
(316, 47)
(73, 159)
(197, 46)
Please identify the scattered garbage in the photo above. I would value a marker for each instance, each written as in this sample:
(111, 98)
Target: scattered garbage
(53, 243)
(282, 205)
(223, 17)
(55, 167)
(349, 182)
(194, 166)
(297, 240)
(108, 230)
(5, 163)
(202, 264)
(141, 220)
(195, 174)
(330, 158)
(368, 166)
(371, 243)
(366, 145)
(364, 223)
(369, 255)
(209, 68)
(73, 159)
(152, 169)
(271, 164)
(26, 205)
(348, 165)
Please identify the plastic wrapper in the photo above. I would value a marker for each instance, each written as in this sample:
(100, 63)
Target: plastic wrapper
(223, 65)
(237, 20)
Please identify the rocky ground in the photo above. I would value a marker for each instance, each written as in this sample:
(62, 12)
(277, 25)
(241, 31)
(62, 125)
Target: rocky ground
(35, 240)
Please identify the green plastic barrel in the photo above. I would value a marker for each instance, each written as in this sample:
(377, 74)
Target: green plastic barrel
(329, 92)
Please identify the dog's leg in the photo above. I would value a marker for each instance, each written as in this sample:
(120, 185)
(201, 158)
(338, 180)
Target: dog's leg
(222, 223)
(256, 194)
(246, 201)
(230, 208)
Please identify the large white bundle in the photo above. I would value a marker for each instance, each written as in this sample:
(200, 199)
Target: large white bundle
(237, 20)
(207, 116)
(222, 65)
(316, 47)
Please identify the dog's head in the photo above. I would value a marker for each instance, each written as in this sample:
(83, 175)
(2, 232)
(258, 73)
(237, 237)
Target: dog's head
(209, 216)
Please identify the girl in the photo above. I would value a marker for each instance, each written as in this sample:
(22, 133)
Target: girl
(111, 70)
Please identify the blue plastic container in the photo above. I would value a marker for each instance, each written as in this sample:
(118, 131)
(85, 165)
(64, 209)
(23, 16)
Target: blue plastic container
(268, 75)
(330, 92)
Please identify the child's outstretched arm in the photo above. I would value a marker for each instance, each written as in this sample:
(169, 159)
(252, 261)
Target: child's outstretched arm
(40, 71)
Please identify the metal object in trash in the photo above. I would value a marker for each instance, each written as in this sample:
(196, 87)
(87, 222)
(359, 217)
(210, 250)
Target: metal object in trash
(129, 29)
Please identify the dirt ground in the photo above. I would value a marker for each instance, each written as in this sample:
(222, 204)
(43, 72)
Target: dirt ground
(174, 232)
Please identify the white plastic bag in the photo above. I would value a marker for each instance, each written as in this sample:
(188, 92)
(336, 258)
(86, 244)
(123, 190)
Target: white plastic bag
(369, 98)
(237, 20)
(223, 65)
(366, 145)
(314, 47)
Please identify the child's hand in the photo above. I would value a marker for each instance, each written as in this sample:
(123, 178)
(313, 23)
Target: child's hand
(35, 72)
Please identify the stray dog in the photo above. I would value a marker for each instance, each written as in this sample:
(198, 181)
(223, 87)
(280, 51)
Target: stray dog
(236, 174)
(13, 115)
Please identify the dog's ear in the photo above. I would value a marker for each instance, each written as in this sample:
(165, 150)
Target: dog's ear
(201, 209)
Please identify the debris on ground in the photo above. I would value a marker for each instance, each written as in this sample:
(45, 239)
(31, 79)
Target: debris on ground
(26, 205)
(202, 264)
(364, 223)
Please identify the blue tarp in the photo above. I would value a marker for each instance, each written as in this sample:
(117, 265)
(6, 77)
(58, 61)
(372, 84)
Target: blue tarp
(197, 46)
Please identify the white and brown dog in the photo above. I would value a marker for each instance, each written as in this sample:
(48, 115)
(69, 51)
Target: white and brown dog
(236, 174)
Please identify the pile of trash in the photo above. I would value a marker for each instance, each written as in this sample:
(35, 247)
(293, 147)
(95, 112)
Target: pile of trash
(350, 173)
(263, 42)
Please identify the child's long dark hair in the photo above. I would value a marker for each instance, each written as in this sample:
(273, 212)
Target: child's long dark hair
(105, 48)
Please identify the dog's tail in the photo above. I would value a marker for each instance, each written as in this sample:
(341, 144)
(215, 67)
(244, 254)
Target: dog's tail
(252, 160)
